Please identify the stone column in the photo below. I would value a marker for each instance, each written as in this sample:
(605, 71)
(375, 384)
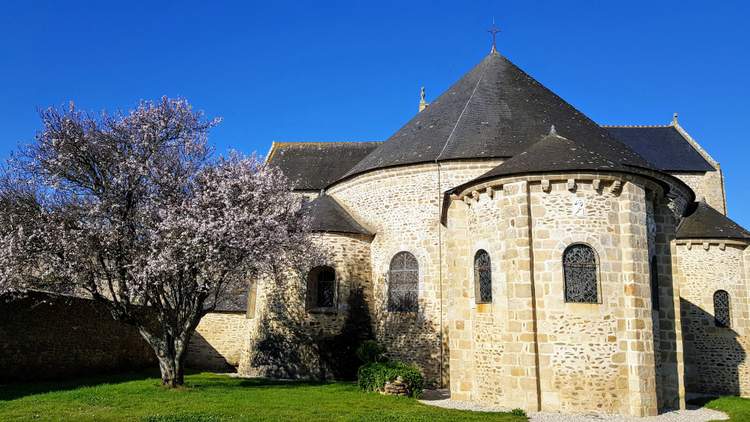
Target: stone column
(521, 347)
(635, 324)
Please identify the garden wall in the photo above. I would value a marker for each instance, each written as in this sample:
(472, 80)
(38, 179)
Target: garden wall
(44, 336)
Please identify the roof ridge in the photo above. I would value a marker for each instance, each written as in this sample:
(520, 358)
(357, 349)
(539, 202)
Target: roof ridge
(636, 126)
(308, 143)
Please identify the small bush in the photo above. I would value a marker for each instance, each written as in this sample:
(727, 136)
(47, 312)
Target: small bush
(518, 412)
(374, 375)
(371, 351)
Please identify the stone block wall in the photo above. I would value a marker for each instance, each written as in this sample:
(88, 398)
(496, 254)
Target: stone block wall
(716, 358)
(288, 340)
(403, 206)
(218, 340)
(45, 336)
(529, 347)
(709, 185)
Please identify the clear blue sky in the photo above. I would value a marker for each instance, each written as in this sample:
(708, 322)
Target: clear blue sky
(314, 70)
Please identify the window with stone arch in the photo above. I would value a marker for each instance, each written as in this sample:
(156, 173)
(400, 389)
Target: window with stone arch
(482, 277)
(321, 288)
(580, 274)
(403, 283)
(722, 316)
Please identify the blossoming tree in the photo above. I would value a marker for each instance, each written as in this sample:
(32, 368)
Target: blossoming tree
(133, 211)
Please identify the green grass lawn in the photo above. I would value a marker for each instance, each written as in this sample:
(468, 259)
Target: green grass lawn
(737, 408)
(210, 397)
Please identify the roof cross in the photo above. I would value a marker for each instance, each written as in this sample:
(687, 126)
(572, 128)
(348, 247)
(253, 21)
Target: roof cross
(493, 30)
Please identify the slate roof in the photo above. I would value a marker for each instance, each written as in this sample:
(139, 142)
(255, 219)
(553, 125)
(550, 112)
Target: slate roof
(555, 153)
(495, 110)
(328, 216)
(315, 165)
(707, 223)
(663, 146)
(233, 301)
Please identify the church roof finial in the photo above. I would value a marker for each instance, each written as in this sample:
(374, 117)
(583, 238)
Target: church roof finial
(494, 30)
(422, 99)
(674, 119)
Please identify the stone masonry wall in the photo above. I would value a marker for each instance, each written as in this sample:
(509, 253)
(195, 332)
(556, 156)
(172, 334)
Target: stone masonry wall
(48, 336)
(290, 341)
(715, 357)
(218, 340)
(709, 185)
(402, 207)
(528, 347)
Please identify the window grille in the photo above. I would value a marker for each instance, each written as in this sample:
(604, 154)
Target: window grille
(721, 309)
(579, 268)
(403, 283)
(482, 277)
(321, 288)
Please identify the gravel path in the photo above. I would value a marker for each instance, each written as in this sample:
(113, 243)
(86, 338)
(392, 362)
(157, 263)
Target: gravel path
(441, 398)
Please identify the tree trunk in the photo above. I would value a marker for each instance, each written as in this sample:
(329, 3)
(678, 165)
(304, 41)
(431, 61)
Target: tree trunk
(170, 353)
(172, 369)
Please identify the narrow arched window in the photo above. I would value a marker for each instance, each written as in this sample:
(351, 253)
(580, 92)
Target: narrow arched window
(321, 288)
(654, 284)
(482, 277)
(721, 309)
(403, 283)
(579, 270)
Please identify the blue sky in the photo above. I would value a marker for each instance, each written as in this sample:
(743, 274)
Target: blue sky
(320, 71)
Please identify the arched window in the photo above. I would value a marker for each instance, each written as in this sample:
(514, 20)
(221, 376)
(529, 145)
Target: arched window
(654, 284)
(721, 309)
(482, 277)
(321, 288)
(403, 283)
(579, 270)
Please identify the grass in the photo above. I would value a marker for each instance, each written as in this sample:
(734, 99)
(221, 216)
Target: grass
(209, 397)
(737, 408)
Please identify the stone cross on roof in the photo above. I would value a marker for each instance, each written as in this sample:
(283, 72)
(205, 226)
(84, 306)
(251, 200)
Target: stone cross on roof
(493, 30)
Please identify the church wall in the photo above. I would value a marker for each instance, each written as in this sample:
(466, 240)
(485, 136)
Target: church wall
(290, 341)
(668, 344)
(709, 185)
(402, 206)
(218, 340)
(591, 357)
(715, 357)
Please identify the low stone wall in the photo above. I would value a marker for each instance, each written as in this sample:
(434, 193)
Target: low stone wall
(44, 336)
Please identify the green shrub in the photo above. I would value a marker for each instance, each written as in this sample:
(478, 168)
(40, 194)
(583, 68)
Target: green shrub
(374, 375)
(371, 351)
(518, 412)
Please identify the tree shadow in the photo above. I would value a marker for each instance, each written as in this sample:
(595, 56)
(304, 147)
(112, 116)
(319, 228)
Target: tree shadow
(291, 344)
(202, 355)
(22, 389)
(713, 355)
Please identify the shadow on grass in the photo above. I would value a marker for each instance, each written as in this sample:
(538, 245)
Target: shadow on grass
(18, 390)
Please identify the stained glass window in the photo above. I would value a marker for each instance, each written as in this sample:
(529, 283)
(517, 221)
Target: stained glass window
(482, 277)
(579, 268)
(321, 288)
(721, 309)
(403, 283)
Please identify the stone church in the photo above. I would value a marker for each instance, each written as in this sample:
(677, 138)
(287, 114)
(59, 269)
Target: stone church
(521, 254)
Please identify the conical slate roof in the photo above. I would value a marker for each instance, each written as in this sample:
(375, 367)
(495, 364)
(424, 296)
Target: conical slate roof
(495, 110)
(707, 223)
(326, 215)
(556, 153)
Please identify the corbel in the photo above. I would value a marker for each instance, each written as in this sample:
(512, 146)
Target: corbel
(571, 185)
(546, 185)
